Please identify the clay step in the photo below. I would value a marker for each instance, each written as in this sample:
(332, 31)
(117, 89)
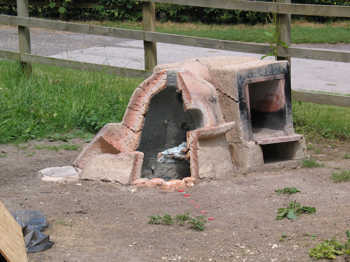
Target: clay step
(278, 139)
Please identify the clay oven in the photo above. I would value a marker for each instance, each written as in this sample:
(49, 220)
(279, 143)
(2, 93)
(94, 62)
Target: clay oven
(203, 118)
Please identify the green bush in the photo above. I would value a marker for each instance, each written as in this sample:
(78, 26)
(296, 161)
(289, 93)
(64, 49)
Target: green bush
(132, 10)
(176, 13)
(321, 2)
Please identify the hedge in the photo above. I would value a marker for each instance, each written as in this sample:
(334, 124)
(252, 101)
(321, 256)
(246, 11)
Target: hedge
(131, 10)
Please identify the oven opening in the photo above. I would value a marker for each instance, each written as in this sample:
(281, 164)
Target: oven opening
(279, 151)
(267, 106)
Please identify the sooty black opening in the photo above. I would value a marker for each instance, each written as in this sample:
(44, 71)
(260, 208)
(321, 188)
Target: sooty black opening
(2, 259)
(279, 151)
(165, 127)
(267, 105)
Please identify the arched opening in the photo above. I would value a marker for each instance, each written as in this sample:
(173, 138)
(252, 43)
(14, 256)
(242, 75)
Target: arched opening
(164, 136)
(2, 259)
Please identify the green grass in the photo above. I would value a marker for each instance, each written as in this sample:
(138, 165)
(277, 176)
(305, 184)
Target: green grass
(347, 156)
(60, 104)
(68, 136)
(343, 176)
(302, 32)
(67, 147)
(311, 163)
(58, 101)
(321, 121)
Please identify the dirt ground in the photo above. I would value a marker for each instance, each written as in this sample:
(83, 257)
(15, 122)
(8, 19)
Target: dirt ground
(98, 221)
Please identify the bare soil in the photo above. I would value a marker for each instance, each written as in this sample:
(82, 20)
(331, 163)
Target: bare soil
(98, 221)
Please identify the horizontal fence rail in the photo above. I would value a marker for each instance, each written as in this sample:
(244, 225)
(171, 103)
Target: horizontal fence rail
(114, 70)
(322, 99)
(71, 27)
(317, 54)
(265, 7)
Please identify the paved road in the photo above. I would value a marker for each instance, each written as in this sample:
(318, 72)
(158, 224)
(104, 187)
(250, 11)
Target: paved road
(306, 74)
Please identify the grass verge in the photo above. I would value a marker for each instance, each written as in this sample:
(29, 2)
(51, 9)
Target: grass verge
(302, 32)
(67, 147)
(56, 100)
(343, 176)
(321, 121)
(311, 163)
(59, 104)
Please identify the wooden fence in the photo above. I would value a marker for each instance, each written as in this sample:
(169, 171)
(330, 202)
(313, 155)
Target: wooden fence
(283, 8)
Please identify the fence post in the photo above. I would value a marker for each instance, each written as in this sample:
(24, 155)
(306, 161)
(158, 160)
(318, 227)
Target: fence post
(150, 48)
(284, 25)
(24, 35)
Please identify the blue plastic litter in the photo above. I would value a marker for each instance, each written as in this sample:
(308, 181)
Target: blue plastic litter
(32, 223)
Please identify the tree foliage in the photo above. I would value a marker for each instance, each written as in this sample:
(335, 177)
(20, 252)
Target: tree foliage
(132, 10)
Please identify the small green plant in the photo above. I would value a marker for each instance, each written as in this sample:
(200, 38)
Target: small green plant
(287, 190)
(182, 218)
(328, 249)
(167, 220)
(274, 36)
(311, 163)
(293, 210)
(155, 220)
(347, 156)
(197, 223)
(343, 176)
(306, 210)
(347, 245)
(283, 237)
(161, 220)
